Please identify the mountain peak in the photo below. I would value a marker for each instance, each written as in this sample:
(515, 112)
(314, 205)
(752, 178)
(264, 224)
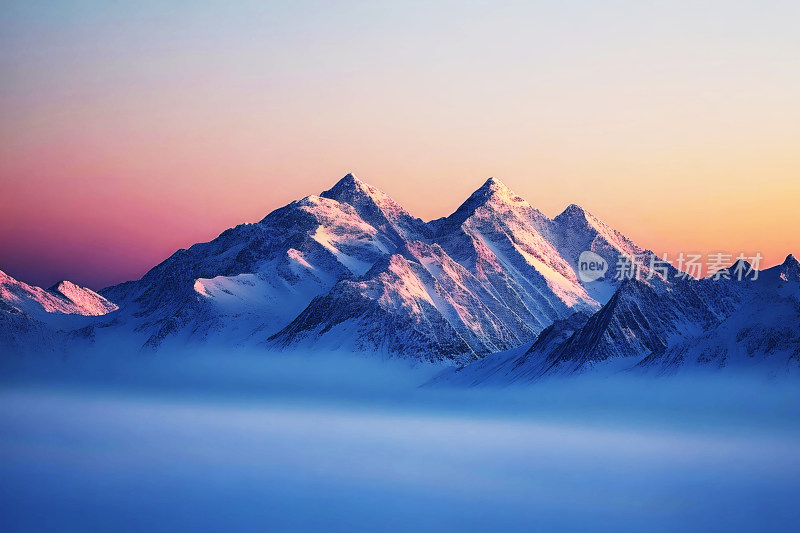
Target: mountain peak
(493, 193)
(351, 179)
(790, 268)
(351, 190)
(492, 189)
(494, 184)
(86, 300)
(577, 216)
(740, 264)
(374, 206)
(574, 211)
(63, 287)
(350, 183)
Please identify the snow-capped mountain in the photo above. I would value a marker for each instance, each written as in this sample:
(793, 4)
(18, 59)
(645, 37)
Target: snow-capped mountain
(666, 328)
(482, 280)
(255, 278)
(32, 317)
(352, 268)
(500, 237)
(575, 231)
(63, 298)
(378, 210)
(758, 326)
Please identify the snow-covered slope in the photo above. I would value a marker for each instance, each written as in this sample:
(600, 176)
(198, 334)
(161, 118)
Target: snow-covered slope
(504, 241)
(392, 311)
(667, 328)
(255, 278)
(575, 230)
(63, 298)
(377, 209)
(420, 302)
(762, 331)
(33, 319)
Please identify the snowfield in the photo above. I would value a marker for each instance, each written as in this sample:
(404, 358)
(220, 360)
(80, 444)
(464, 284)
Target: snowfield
(330, 442)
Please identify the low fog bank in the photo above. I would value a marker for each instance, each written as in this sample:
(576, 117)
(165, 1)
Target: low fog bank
(235, 441)
(365, 382)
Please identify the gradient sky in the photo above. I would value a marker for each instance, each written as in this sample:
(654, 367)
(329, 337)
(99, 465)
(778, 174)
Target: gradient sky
(128, 130)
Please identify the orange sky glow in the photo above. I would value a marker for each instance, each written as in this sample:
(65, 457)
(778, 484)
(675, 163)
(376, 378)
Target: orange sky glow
(128, 132)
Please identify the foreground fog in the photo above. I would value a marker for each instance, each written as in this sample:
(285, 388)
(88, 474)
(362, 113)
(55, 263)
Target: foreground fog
(327, 442)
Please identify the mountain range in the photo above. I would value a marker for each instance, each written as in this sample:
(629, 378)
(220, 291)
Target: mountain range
(662, 329)
(492, 290)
